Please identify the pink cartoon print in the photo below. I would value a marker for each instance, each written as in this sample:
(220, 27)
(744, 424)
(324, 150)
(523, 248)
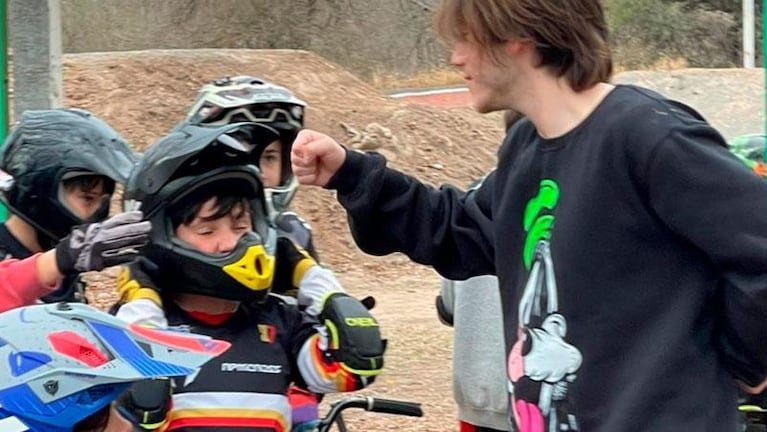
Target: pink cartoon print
(541, 364)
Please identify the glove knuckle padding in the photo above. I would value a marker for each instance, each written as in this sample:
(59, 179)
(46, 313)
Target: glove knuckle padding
(102, 244)
(123, 219)
(129, 232)
(355, 337)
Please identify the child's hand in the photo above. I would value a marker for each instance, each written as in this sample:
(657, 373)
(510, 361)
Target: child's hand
(96, 246)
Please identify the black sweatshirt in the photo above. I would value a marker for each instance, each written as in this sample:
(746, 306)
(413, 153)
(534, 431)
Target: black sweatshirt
(632, 259)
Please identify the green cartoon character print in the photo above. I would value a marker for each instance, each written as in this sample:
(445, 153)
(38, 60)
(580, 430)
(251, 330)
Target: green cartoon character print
(541, 363)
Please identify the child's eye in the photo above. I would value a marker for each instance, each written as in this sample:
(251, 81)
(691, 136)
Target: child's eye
(269, 159)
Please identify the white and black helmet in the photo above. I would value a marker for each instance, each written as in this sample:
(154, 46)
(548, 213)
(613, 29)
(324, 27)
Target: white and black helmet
(249, 99)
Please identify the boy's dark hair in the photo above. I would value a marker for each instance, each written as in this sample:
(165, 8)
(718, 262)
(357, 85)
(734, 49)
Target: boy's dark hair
(185, 211)
(87, 182)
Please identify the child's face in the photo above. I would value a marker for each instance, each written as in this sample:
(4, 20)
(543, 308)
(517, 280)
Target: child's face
(215, 236)
(270, 164)
(83, 202)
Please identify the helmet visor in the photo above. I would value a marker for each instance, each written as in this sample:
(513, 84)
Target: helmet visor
(270, 113)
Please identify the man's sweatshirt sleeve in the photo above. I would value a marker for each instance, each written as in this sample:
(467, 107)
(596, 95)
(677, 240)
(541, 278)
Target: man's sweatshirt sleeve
(707, 196)
(19, 285)
(389, 212)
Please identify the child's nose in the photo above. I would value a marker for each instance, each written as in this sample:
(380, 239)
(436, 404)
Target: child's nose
(228, 241)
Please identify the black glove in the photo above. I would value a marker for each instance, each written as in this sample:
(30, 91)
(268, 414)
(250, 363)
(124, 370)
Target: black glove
(290, 266)
(99, 245)
(146, 403)
(354, 336)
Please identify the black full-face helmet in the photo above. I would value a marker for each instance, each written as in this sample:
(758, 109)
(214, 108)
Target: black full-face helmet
(46, 147)
(188, 165)
(250, 99)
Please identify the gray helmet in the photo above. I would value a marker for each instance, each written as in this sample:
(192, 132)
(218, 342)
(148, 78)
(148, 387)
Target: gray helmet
(47, 146)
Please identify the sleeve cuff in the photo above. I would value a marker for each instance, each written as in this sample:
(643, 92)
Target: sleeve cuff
(347, 178)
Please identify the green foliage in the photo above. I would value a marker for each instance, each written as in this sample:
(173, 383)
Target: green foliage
(645, 32)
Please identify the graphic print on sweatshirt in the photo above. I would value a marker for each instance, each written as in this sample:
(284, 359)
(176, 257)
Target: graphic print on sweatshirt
(541, 363)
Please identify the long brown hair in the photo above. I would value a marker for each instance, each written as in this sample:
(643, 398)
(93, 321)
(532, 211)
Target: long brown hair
(570, 36)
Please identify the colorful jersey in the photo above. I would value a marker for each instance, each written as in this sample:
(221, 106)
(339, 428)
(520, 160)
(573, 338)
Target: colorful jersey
(273, 346)
(631, 254)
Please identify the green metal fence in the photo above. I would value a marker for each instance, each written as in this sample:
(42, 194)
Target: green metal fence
(4, 85)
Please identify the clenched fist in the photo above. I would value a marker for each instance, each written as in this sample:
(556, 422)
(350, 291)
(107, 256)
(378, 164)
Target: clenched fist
(316, 157)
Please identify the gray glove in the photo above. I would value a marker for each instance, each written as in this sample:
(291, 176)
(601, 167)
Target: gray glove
(104, 244)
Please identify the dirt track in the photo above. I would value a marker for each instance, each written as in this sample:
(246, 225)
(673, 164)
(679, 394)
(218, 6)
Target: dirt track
(143, 94)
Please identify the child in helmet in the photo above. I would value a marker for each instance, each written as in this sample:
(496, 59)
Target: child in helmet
(51, 348)
(246, 98)
(249, 99)
(212, 255)
(58, 171)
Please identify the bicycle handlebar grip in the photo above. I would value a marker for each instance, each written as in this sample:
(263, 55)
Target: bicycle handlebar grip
(390, 406)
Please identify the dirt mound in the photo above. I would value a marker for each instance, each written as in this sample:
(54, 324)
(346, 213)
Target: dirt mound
(143, 94)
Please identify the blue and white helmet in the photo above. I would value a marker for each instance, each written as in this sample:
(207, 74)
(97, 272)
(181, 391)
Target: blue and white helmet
(61, 363)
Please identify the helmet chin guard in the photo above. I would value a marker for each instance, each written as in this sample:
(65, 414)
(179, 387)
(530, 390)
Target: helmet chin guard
(245, 274)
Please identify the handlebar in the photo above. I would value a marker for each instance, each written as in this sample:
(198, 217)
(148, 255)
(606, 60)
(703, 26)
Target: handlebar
(368, 403)
(390, 406)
